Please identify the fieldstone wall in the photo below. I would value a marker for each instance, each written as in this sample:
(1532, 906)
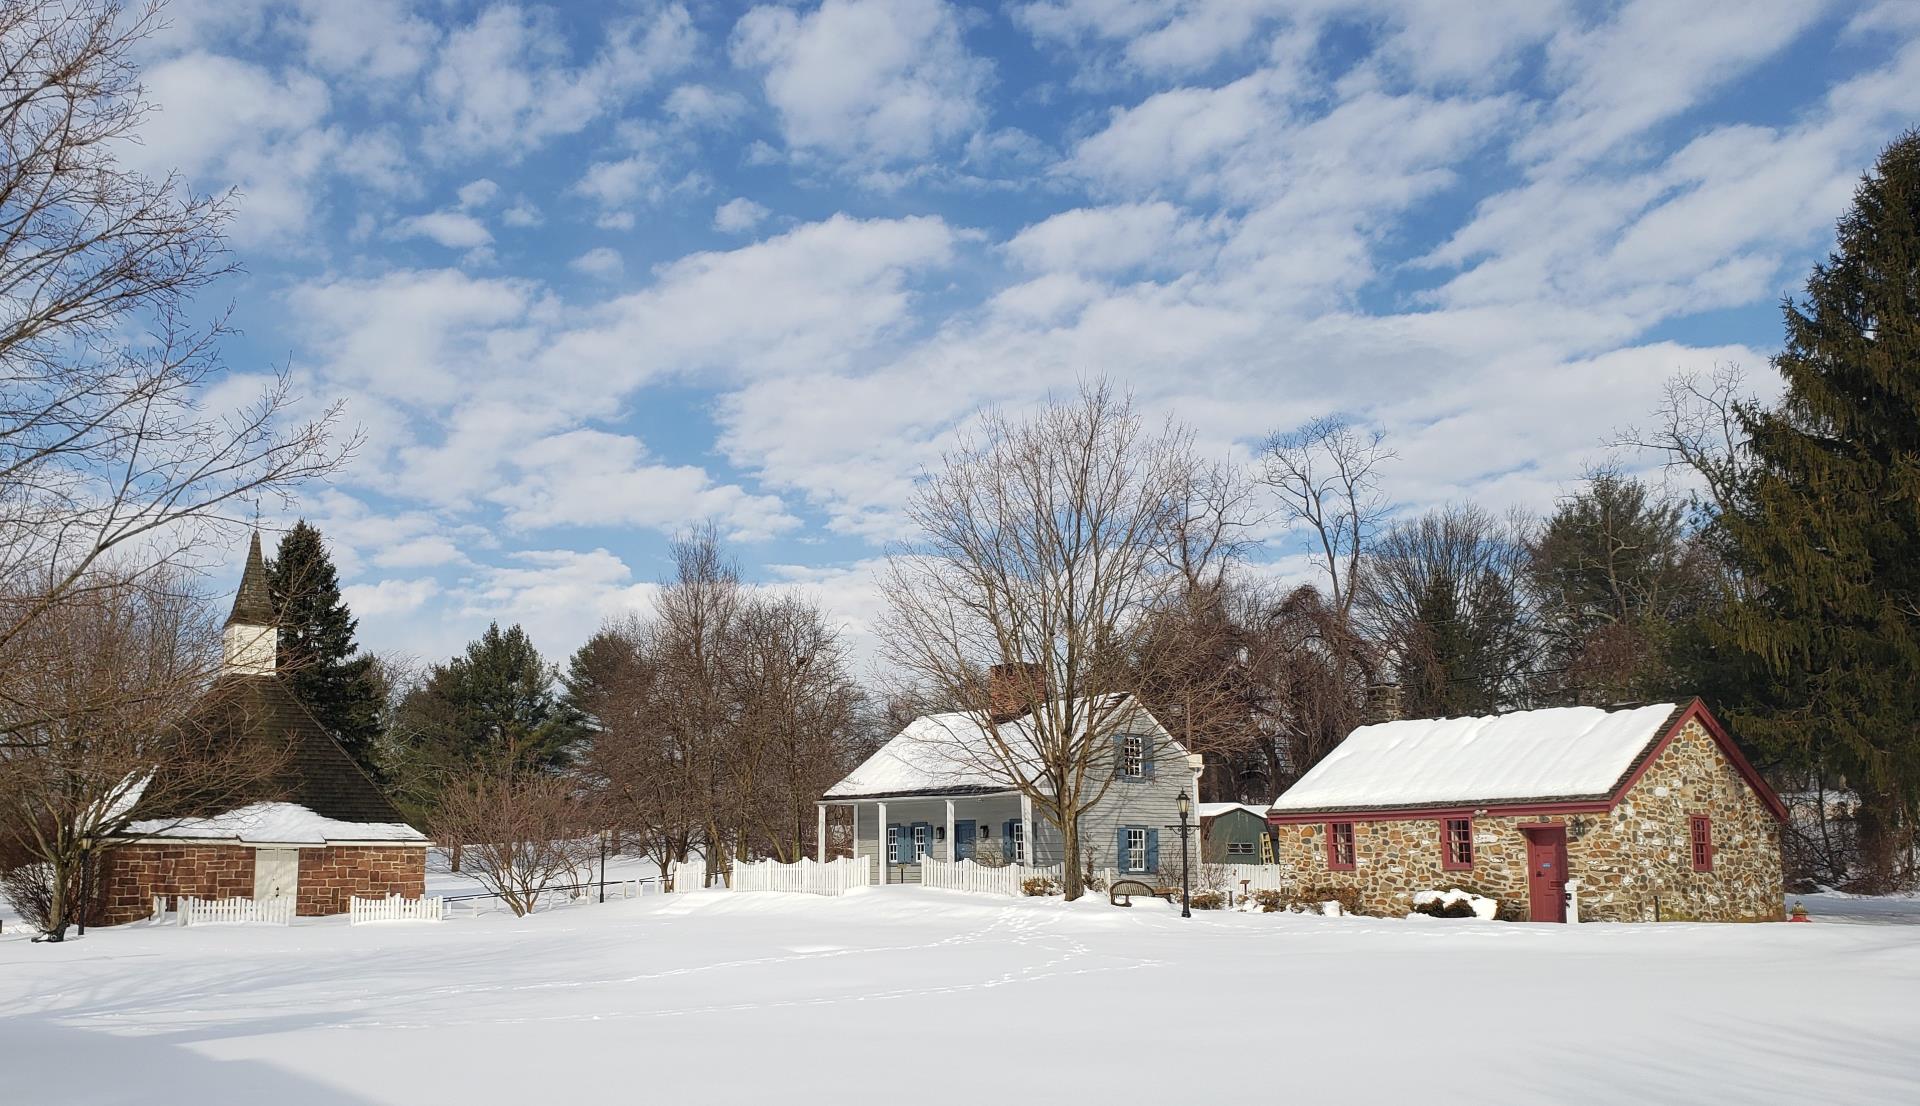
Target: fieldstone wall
(1627, 859)
(331, 876)
(131, 875)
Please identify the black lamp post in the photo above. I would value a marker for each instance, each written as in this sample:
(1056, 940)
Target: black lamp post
(1186, 856)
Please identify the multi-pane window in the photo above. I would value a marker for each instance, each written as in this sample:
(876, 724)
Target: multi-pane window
(1340, 846)
(1019, 842)
(893, 843)
(1136, 850)
(1134, 748)
(920, 843)
(1239, 848)
(1702, 843)
(1457, 842)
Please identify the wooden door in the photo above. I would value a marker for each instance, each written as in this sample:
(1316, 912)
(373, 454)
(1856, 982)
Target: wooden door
(963, 835)
(1547, 873)
(276, 874)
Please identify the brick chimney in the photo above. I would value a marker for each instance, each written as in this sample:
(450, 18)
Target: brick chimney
(1013, 689)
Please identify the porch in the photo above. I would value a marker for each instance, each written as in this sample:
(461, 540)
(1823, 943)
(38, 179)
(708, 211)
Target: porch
(899, 831)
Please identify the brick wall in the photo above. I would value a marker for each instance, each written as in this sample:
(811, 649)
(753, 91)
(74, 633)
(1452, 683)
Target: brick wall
(330, 876)
(132, 875)
(1625, 859)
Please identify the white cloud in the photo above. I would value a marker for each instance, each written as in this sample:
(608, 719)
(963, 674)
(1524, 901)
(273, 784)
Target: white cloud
(1112, 239)
(738, 215)
(522, 214)
(389, 597)
(478, 193)
(453, 229)
(593, 478)
(871, 81)
(379, 41)
(601, 261)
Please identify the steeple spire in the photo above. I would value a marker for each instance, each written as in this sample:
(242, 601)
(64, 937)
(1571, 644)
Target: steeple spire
(251, 637)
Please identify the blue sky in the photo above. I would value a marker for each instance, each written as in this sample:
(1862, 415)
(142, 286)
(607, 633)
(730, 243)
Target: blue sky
(586, 273)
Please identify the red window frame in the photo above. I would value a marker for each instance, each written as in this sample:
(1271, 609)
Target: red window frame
(1460, 858)
(1702, 831)
(1340, 834)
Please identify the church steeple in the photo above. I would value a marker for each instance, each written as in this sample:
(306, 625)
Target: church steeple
(251, 639)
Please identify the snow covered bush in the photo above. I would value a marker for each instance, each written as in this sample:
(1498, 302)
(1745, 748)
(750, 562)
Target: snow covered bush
(987, 854)
(1207, 900)
(1270, 899)
(1454, 903)
(1040, 886)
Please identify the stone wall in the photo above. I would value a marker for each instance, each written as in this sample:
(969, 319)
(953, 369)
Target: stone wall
(330, 876)
(132, 875)
(1625, 859)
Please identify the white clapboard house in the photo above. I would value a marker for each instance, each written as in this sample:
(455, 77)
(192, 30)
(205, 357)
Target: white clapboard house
(938, 789)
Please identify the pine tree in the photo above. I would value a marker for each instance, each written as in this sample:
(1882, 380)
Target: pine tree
(1827, 537)
(492, 709)
(317, 650)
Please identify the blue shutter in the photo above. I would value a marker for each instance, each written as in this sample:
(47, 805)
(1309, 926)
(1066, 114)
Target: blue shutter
(1120, 854)
(1153, 850)
(1006, 840)
(1120, 755)
(1146, 757)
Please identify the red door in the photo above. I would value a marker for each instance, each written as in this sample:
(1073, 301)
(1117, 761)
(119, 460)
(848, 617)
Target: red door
(1547, 872)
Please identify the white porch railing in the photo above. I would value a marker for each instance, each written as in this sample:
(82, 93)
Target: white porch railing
(236, 911)
(809, 877)
(393, 909)
(965, 875)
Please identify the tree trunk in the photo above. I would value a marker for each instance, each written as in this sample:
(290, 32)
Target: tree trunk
(1072, 885)
(454, 857)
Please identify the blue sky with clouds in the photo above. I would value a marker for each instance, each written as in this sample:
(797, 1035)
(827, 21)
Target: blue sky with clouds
(585, 273)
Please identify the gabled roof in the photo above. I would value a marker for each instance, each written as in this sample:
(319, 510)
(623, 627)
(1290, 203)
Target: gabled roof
(277, 824)
(953, 754)
(1526, 758)
(1215, 810)
(253, 603)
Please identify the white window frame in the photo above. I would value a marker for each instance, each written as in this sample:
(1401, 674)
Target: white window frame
(1019, 845)
(922, 842)
(1139, 850)
(893, 844)
(1133, 749)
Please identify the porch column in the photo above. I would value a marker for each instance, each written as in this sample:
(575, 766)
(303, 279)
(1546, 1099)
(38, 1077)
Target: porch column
(855, 807)
(1026, 830)
(950, 850)
(880, 843)
(820, 835)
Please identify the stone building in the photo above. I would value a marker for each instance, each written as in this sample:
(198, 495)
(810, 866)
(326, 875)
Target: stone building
(1646, 814)
(322, 831)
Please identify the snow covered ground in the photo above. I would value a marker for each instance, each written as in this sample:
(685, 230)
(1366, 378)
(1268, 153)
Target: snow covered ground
(939, 997)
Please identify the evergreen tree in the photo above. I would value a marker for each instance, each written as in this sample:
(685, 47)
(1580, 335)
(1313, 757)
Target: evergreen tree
(1826, 535)
(317, 650)
(1463, 648)
(492, 709)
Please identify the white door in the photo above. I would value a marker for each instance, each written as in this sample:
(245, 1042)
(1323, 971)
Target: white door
(276, 874)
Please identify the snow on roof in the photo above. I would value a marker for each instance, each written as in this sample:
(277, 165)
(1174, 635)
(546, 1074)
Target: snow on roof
(1564, 752)
(277, 824)
(943, 754)
(1214, 810)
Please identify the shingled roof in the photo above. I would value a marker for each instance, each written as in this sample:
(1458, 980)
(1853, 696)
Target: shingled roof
(318, 774)
(253, 604)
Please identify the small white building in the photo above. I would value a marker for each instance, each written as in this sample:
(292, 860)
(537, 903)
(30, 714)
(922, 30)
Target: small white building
(942, 789)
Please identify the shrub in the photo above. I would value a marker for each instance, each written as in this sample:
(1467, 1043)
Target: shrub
(1436, 908)
(1040, 886)
(1093, 882)
(1269, 899)
(1207, 900)
(1310, 898)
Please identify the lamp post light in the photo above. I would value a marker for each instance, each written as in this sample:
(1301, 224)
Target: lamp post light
(1186, 856)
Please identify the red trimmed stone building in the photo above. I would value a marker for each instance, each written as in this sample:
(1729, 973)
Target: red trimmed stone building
(324, 833)
(1649, 813)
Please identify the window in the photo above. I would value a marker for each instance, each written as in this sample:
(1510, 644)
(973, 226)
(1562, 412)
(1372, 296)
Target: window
(1136, 849)
(1702, 843)
(1456, 843)
(1017, 834)
(921, 833)
(893, 844)
(1134, 753)
(1340, 846)
(1239, 848)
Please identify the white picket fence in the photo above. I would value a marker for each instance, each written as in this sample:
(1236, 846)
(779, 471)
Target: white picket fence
(235, 911)
(809, 877)
(393, 909)
(688, 875)
(965, 875)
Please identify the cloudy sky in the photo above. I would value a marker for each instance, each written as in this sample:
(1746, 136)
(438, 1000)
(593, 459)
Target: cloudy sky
(585, 273)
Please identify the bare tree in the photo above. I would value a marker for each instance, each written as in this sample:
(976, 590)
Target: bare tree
(523, 835)
(1044, 543)
(105, 447)
(1325, 479)
(115, 724)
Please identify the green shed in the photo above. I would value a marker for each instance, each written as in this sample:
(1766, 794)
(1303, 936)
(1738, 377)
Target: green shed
(1234, 833)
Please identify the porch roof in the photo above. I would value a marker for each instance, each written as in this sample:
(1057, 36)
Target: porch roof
(929, 793)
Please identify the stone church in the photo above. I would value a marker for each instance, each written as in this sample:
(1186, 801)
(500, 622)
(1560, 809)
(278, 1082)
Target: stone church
(322, 833)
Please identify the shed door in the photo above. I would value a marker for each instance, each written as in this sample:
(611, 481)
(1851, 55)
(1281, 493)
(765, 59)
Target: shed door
(276, 873)
(1547, 873)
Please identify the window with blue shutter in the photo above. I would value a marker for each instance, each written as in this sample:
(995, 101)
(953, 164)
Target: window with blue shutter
(893, 843)
(922, 842)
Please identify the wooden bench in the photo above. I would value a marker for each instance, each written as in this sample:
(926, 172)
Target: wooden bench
(1128, 888)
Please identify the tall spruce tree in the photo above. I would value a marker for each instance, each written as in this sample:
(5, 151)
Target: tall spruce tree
(493, 709)
(1827, 537)
(317, 650)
